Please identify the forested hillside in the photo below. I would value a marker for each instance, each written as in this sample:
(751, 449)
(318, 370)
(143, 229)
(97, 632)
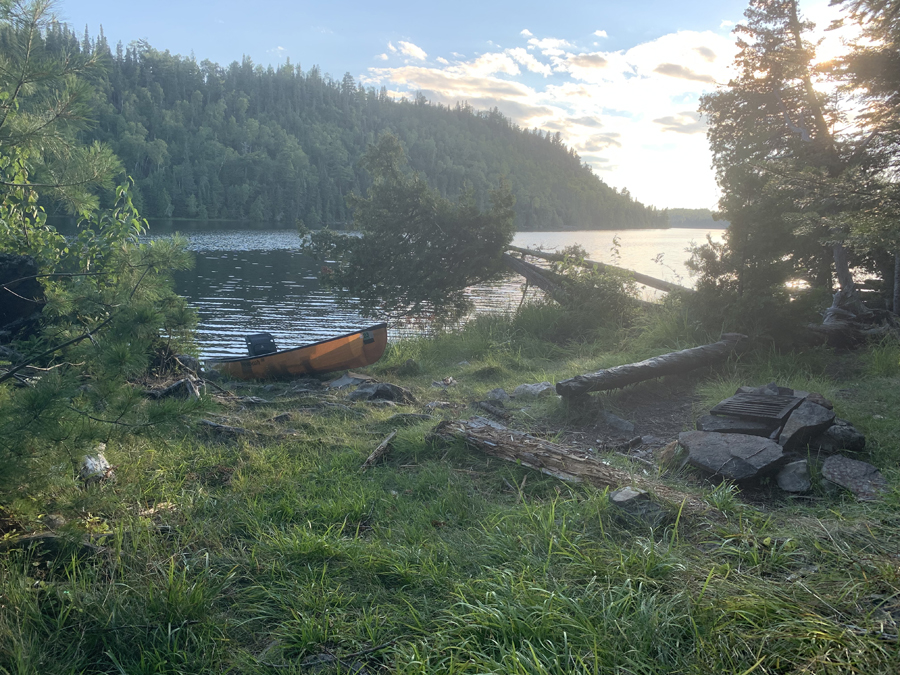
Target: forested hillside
(247, 142)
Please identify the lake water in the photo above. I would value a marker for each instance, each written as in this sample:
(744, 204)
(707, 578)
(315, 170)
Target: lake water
(253, 280)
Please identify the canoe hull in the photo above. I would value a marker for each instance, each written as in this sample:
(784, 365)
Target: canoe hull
(353, 350)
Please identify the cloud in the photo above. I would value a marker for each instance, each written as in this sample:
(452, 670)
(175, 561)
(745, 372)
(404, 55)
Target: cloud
(442, 60)
(391, 47)
(412, 51)
(707, 53)
(627, 112)
(550, 46)
(529, 61)
(278, 51)
(682, 72)
(687, 122)
(726, 24)
(593, 122)
(601, 142)
(382, 57)
(600, 33)
(526, 33)
(587, 61)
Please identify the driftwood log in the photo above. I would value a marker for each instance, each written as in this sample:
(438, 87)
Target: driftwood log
(673, 363)
(538, 277)
(563, 462)
(644, 279)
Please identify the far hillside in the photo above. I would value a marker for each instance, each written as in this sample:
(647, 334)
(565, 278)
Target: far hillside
(282, 144)
(694, 218)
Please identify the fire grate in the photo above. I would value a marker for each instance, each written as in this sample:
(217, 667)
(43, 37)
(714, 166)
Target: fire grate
(757, 406)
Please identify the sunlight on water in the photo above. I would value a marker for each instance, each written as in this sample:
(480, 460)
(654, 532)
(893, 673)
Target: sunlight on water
(252, 280)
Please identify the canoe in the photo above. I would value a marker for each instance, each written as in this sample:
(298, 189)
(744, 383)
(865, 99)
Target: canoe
(353, 350)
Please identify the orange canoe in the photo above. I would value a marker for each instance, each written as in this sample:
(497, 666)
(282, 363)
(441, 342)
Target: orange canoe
(353, 350)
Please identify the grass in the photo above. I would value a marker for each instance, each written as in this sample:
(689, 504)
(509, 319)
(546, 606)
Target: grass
(280, 555)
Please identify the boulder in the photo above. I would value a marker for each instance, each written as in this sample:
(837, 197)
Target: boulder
(732, 425)
(807, 420)
(794, 477)
(736, 457)
(813, 397)
(860, 478)
(95, 467)
(840, 436)
(383, 391)
(534, 390)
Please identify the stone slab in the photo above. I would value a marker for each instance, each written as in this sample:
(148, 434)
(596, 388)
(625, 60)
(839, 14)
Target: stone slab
(861, 478)
(734, 456)
(840, 436)
(808, 420)
(733, 425)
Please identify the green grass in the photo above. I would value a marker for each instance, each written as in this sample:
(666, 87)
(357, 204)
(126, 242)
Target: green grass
(253, 556)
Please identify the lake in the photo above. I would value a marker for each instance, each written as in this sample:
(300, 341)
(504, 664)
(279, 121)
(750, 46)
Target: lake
(251, 280)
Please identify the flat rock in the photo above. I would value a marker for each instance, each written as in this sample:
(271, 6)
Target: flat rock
(534, 390)
(807, 420)
(349, 379)
(498, 394)
(840, 436)
(732, 425)
(617, 424)
(734, 456)
(860, 478)
(637, 504)
(383, 391)
(794, 477)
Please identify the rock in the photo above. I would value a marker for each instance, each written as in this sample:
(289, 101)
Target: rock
(807, 420)
(382, 391)
(617, 424)
(349, 379)
(443, 384)
(534, 390)
(794, 477)
(95, 467)
(840, 436)
(637, 504)
(813, 397)
(732, 425)
(861, 478)
(498, 394)
(671, 457)
(734, 456)
(283, 418)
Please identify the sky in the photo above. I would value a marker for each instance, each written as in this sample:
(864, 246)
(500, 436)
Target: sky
(621, 81)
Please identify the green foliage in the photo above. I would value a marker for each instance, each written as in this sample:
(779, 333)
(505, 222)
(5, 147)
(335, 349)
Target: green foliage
(110, 305)
(417, 252)
(239, 141)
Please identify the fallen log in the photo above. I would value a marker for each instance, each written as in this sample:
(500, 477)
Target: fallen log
(646, 280)
(563, 462)
(673, 363)
(538, 277)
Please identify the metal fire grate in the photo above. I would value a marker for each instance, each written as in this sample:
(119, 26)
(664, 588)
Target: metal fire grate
(757, 406)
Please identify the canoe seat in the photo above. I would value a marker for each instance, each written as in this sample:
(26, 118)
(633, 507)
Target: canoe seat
(260, 343)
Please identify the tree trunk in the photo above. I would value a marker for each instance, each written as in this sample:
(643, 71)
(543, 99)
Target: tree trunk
(673, 363)
(560, 461)
(896, 303)
(535, 276)
(644, 279)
